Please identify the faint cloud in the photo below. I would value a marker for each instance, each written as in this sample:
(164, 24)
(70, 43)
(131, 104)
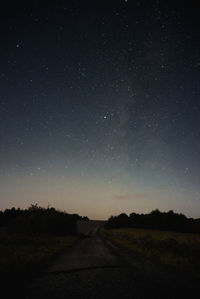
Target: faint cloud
(125, 196)
(130, 196)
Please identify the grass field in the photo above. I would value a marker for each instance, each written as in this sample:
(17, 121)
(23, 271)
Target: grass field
(181, 250)
(22, 254)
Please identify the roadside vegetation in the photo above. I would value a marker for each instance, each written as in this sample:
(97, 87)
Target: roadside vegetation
(22, 254)
(181, 250)
(168, 237)
(30, 237)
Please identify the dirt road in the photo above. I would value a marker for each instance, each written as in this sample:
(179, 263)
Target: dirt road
(95, 268)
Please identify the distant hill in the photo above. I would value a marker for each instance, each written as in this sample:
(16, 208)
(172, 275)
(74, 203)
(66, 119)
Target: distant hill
(89, 227)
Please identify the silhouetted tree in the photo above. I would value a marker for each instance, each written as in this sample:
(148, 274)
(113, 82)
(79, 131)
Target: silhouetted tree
(39, 220)
(155, 220)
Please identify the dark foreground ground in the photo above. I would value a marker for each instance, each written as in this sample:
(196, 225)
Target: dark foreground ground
(95, 268)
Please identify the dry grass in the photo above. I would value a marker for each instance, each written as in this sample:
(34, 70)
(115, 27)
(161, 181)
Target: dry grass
(181, 250)
(21, 254)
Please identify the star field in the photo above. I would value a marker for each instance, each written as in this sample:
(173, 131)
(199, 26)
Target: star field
(99, 106)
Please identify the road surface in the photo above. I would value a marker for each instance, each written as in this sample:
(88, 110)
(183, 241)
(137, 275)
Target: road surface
(95, 268)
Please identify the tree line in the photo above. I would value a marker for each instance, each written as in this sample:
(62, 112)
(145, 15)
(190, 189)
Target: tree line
(155, 220)
(39, 220)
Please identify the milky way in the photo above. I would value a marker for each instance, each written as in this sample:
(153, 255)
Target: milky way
(100, 106)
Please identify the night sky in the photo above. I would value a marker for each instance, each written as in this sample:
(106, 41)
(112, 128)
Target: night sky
(100, 106)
